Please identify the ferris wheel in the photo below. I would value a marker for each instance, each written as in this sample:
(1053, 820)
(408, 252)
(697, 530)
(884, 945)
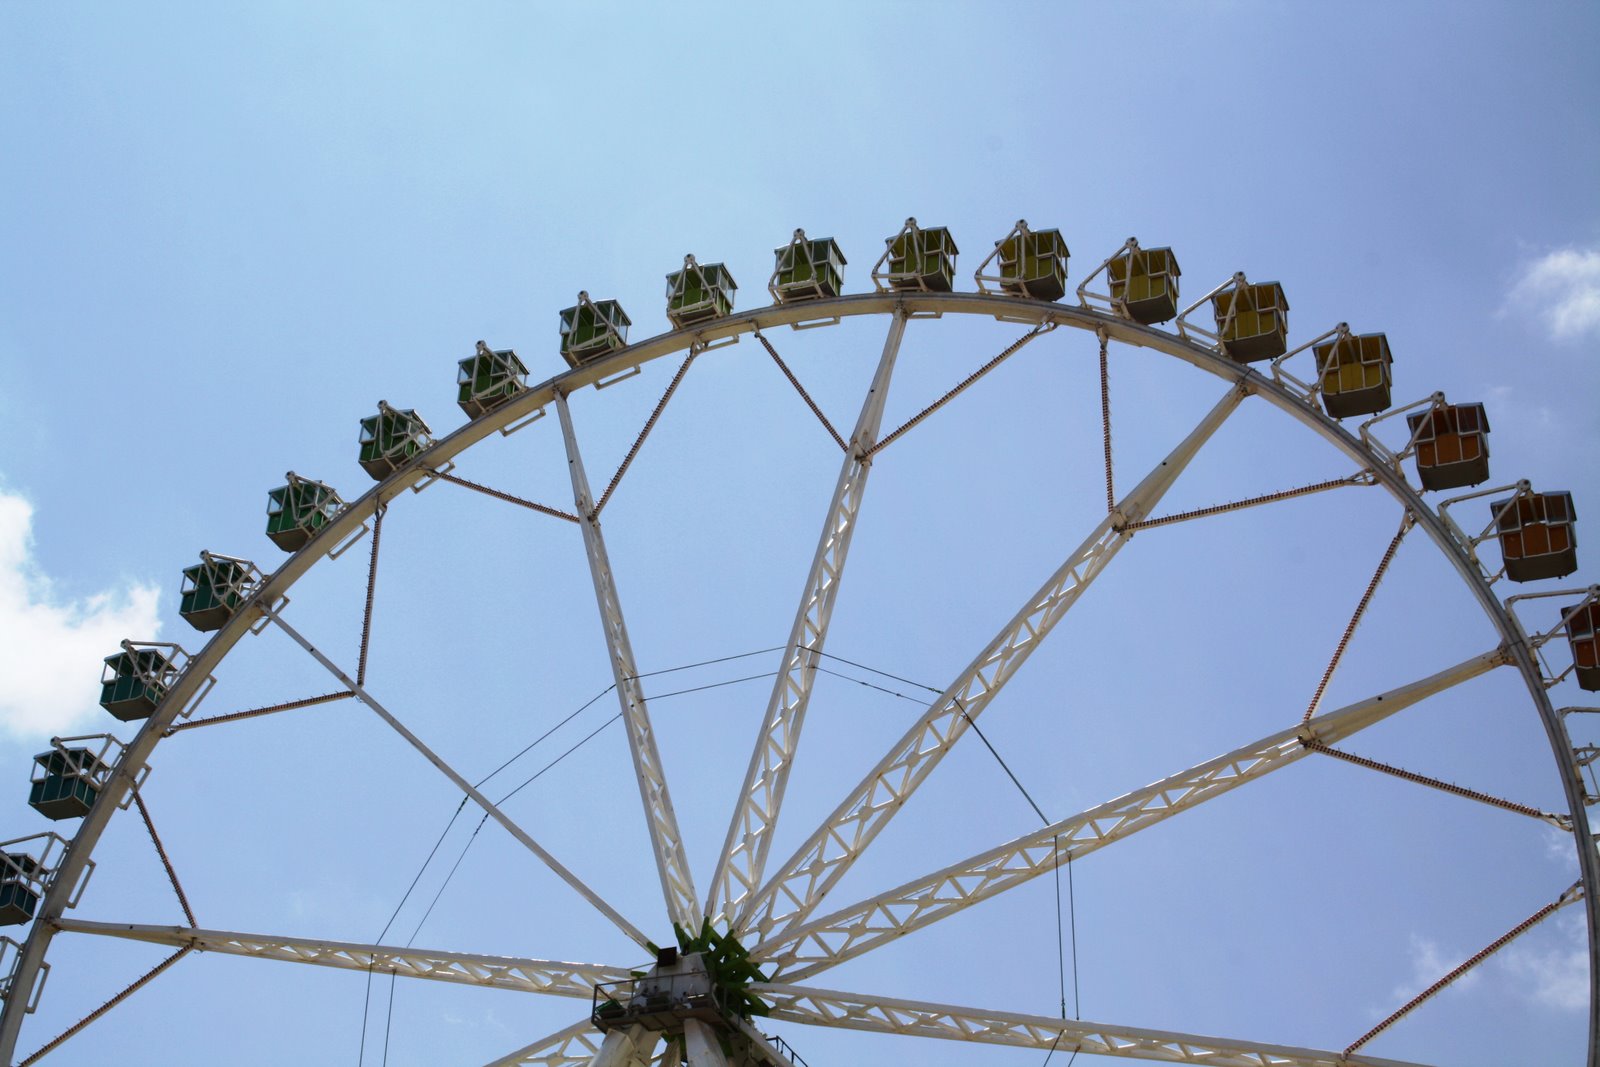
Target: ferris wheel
(732, 965)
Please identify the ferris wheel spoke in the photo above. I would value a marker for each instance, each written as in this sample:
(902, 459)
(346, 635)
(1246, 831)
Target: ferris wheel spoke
(461, 783)
(853, 931)
(672, 864)
(885, 1015)
(630, 1047)
(461, 968)
(574, 1046)
(744, 853)
(799, 886)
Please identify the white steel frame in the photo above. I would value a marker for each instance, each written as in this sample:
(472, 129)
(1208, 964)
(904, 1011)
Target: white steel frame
(777, 919)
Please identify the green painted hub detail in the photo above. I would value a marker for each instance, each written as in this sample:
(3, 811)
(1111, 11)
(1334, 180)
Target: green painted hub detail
(729, 967)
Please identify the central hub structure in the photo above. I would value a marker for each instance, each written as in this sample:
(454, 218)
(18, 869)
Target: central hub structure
(700, 985)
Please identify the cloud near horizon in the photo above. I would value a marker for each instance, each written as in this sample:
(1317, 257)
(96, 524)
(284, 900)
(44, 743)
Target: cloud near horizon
(1561, 291)
(50, 649)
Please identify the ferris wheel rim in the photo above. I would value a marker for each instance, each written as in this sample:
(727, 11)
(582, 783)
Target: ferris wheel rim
(531, 402)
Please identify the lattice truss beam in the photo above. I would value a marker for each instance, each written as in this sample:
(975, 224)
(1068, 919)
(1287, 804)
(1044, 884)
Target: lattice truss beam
(749, 837)
(799, 886)
(575, 1046)
(672, 863)
(826, 1007)
(462, 968)
(818, 945)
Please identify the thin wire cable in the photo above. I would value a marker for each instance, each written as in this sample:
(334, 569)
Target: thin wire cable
(366, 1004)
(543, 509)
(1105, 418)
(910, 423)
(874, 670)
(1434, 783)
(879, 688)
(649, 424)
(372, 588)
(812, 404)
(388, 1021)
(529, 747)
(1004, 765)
(1355, 618)
(706, 663)
(253, 712)
(138, 983)
(1359, 478)
(172, 875)
(1472, 961)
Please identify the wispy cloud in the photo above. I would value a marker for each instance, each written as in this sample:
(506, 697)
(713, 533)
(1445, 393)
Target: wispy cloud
(1561, 291)
(50, 649)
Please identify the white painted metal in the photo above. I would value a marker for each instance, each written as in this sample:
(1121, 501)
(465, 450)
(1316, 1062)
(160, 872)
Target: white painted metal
(701, 1043)
(574, 1046)
(1363, 449)
(755, 815)
(672, 865)
(884, 1015)
(625, 1048)
(799, 886)
(825, 942)
(461, 783)
(462, 968)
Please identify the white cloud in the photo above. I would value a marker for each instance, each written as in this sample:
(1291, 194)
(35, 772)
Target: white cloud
(1562, 291)
(50, 650)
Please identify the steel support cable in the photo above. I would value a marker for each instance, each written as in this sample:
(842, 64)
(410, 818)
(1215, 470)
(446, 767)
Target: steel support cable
(1105, 418)
(172, 875)
(1435, 783)
(812, 404)
(1472, 961)
(542, 509)
(960, 387)
(1361, 478)
(138, 983)
(649, 424)
(253, 712)
(372, 587)
(1355, 619)
(1061, 962)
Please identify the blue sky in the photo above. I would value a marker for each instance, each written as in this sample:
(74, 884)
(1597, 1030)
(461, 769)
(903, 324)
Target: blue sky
(225, 236)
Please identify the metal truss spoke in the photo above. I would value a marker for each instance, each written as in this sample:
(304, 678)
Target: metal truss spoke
(883, 1015)
(815, 946)
(626, 1048)
(672, 865)
(573, 1046)
(755, 816)
(483, 802)
(461, 968)
(799, 886)
(701, 1044)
